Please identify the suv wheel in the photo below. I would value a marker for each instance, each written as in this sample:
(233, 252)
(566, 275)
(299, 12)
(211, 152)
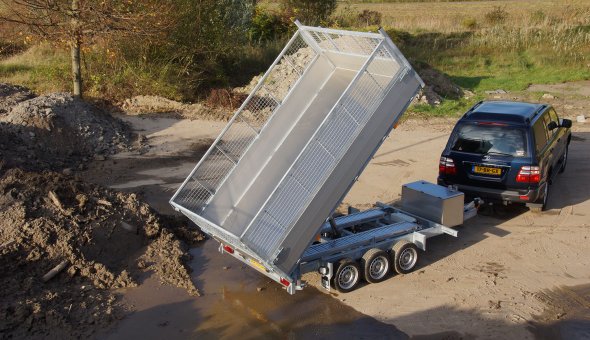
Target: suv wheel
(564, 160)
(542, 201)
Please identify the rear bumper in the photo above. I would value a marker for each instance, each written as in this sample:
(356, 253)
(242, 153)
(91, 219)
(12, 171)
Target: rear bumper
(497, 195)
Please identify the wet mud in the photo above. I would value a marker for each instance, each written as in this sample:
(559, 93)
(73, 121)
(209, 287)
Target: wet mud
(238, 302)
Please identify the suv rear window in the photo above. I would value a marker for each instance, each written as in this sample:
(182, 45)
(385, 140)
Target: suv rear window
(484, 139)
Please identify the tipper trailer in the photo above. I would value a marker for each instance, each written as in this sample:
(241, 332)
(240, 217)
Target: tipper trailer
(268, 185)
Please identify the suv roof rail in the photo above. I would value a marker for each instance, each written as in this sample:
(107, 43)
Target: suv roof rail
(473, 108)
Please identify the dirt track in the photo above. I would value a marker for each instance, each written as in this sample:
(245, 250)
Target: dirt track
(512, 275)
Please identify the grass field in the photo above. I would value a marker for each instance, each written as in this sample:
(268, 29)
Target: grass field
(450, 16)
(487, 45)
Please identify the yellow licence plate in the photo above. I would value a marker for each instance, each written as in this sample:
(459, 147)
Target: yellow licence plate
(257, 264)
(487, 170)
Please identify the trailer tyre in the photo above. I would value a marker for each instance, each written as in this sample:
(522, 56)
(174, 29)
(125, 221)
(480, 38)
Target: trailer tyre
(375, 264)
(405, 257)
(347, 276)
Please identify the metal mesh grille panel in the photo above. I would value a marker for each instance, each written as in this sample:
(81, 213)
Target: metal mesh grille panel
(321, 155)
(224, 155)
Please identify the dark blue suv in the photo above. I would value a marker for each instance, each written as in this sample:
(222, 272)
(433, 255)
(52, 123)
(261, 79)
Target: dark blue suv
(506, 152)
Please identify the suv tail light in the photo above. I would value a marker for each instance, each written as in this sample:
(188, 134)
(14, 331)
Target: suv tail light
(529, 174)
(446, 166)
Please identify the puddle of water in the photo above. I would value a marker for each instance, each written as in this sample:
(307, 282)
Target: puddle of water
(232, 307)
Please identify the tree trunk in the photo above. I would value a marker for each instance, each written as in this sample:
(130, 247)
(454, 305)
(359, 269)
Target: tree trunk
(75, 53)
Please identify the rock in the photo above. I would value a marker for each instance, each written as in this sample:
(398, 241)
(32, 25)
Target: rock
(548, 96)
(581, 119)
(100, 158)
(259, 289)
(32, 134)
(67, 171)
(226, 267)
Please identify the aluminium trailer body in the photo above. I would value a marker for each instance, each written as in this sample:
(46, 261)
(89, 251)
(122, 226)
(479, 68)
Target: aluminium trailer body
(294, 148)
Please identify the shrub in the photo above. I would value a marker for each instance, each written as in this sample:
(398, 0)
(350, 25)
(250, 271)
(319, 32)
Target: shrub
(496, 16)
(369, 18)
(310, 12)
(469, 23)
(267, 26)
(346, 16)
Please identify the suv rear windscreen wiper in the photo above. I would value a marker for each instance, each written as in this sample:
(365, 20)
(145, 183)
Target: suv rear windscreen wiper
(498, 153)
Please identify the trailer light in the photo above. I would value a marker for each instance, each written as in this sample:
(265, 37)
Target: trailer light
(323, 270)
(228, 249)
(524, 197)
(284, 282)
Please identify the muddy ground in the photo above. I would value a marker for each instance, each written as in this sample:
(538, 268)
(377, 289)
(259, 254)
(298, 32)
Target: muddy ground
(66, 245)
(513, 275)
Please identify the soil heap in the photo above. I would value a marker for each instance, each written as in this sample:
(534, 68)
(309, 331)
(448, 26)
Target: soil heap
(57, 131)
(11, 95)
(93, 239)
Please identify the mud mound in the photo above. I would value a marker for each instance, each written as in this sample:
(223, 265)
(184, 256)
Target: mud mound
(57, 131)
(156, 105)
(91, 239)
(11, 95)
(437, 86)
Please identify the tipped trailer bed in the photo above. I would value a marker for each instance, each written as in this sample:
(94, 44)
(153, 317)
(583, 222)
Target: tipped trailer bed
(294, 148)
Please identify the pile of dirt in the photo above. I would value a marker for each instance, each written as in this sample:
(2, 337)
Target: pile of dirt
(437, 86)
(160, 106)
(58, 131)
(93, 239)
(11, 95)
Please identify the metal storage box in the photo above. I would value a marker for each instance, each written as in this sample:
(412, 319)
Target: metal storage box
(433, 202)
(293, 149)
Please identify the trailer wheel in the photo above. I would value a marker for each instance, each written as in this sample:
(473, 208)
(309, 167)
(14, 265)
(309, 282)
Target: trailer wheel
(375, 264)
(347, 276)
(405, 257)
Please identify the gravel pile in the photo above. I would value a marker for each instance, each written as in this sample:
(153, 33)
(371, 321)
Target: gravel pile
(59, 131)
(11, 95)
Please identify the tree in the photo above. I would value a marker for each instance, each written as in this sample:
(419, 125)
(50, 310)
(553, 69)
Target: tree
(310, 12)
(78, 22)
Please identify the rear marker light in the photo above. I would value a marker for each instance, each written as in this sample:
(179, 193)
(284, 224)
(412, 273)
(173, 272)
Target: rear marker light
(446, 166)
(228, 249)
(285, 283)
(529, 174)
(524, 197)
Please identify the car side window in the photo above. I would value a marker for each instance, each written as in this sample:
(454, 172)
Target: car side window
(540, 134)
(547, 120)
(553, 116)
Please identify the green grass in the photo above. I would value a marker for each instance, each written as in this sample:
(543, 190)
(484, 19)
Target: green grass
(41, 68)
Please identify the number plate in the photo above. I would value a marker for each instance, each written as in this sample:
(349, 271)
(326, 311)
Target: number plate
(484, 170)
